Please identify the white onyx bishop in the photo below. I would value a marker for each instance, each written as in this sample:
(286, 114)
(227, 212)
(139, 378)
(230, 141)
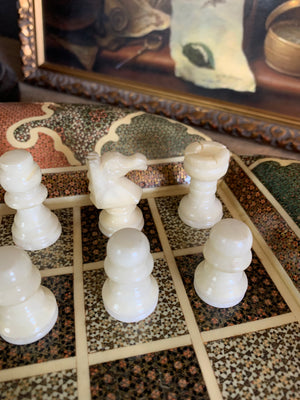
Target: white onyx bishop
(220, 279)
(28, 311)
(205, 163)
(35, 227)
(130, 292)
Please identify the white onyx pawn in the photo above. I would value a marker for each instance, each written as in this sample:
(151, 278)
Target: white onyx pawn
(130, 293)
(28, 311)
(112, 192)
(35, 227)
(205, 163)
(220, 279)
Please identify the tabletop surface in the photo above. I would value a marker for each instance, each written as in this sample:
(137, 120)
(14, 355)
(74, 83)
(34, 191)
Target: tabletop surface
(185, 349)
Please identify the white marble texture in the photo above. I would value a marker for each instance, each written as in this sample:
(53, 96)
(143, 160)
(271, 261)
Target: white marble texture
(130, 292)
(114, 193)
(28, 311)
(205, 163)
(35, 227)
(220, 279)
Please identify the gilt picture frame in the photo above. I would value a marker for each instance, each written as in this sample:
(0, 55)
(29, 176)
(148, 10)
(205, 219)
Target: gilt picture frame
(54, 55)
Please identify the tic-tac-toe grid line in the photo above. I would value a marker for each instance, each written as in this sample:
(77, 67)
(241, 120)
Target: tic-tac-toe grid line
(83, 377)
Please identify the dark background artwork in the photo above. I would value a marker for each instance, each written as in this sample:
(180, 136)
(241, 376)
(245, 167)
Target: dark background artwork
(76, 37)
(98, 40)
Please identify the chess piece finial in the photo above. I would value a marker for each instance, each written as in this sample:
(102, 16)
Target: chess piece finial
(220, 279)
(35, 226)
(28, 311)
(112, 192)
(205, 163)
(130, 292)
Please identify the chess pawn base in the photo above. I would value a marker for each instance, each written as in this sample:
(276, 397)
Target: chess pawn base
(113, 219)
(35, 228)
(28, 311)
(200, 216)
(130, 302)
(30, 320)
(217, 288)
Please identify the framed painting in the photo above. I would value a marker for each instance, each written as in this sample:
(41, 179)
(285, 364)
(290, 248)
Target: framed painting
(210, 63)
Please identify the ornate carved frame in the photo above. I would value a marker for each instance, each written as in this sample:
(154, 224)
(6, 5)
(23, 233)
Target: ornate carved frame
(260, 126)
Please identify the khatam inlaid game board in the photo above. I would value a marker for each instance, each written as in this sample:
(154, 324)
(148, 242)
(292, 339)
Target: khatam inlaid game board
(185, 349)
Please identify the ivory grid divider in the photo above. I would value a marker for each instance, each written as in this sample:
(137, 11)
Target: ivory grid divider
(83, 376)
(46, 367)
(248, 327)
(165, 191)
(56, 271)
(281, 161)
(188, 251)
(139, 349)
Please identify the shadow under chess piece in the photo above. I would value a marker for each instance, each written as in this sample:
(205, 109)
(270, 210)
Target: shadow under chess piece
(220, 279)
(28, 311)
(205, 163)
(112, 192)
(35, 227)
(130, 293)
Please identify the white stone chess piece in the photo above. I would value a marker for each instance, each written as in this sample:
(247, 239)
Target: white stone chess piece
(130, 292)
(220, 279)
(28, 311)
(112, 192)
(205, 163)
(35, 226)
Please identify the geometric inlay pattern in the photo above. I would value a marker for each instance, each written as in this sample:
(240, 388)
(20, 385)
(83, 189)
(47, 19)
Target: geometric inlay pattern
(55, 385)
(179, 234)
(169, 374)
(283, 183)
(259, 365)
